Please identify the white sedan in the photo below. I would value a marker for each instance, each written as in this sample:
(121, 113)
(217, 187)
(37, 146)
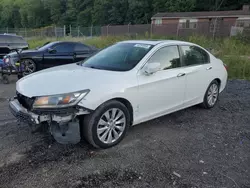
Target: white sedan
(125, 84)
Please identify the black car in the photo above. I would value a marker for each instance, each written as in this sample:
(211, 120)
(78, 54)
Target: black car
(50, 55)
(11, 42)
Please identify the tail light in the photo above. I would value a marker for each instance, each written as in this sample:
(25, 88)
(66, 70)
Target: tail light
(226, 67)
(6, 60)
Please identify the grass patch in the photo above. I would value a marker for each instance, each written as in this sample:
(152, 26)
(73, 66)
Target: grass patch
(228, 49)
(238, 67)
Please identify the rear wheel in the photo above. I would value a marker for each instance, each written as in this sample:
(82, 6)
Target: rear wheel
(107, 125)
(212, 95)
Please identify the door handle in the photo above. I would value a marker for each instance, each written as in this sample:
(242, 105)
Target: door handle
(181, 74)
(209, 68)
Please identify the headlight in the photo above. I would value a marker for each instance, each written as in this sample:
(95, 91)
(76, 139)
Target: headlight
(59, 101)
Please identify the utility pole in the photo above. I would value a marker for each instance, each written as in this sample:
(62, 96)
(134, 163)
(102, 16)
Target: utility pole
(70, 30)
(91, 31)
(108, 29)
(64, 30)
(54, 30)
(129, 27)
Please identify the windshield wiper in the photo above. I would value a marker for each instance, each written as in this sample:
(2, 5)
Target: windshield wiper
(93, 67)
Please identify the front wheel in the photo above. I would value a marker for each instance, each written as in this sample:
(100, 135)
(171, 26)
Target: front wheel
(29, 66)
(107, 125)
(212, 95)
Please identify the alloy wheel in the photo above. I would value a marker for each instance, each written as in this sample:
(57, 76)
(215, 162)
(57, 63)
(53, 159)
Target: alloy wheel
(29, 67)
(212, 95)
(111, 125)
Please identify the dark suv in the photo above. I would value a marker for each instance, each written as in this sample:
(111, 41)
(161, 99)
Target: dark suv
(11, 42)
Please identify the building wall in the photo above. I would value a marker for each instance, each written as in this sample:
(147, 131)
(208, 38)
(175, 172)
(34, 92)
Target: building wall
(167, 21)
(170, 21)
(227, 24)
(169, 27)
(204, 26)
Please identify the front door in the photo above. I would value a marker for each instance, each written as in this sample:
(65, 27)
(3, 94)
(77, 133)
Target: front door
(60, 54)
(163, 91)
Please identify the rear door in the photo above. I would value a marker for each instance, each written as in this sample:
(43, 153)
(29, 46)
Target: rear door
(62, 54)
(198, 69)
(81, 52)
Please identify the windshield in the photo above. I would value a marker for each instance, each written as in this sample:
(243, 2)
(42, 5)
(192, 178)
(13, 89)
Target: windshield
(119, 57)
(46, 46)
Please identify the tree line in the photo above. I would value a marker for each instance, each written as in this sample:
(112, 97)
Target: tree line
(40, 13)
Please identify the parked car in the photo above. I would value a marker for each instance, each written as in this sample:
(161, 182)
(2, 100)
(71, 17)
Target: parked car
(50, 55)
(123, 85)
(11, 42)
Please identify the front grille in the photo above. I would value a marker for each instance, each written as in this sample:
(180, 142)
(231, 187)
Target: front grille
(26, 102)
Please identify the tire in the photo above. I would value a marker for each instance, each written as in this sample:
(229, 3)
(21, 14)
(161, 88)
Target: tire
(98, 121)
(30, 66)
(19, 76)
(212, 95)
(5, 79)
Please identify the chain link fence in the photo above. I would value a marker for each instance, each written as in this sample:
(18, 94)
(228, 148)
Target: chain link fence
(50, 31)
(85, 31)
(176, 30)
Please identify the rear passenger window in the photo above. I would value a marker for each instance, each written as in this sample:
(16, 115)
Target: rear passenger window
(81, 47)
(193, 55)
(168, 57)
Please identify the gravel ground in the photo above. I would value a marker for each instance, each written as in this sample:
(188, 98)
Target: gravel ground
(190, 148)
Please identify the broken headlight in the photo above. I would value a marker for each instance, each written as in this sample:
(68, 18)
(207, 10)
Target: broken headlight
(59, 101)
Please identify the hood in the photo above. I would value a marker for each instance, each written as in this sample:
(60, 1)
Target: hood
(66, 79)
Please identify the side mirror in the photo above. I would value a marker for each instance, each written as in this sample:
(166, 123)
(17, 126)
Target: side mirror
(51, 51)
(151, 68)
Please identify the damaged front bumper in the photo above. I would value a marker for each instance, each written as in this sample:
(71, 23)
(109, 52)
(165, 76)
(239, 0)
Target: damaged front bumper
(63, 123)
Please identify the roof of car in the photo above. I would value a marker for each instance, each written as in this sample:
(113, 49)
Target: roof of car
(65, 42)
(155, 42)
(57, 42)
(10, 39)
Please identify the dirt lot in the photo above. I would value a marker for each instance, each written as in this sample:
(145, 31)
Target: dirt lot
(190, 148)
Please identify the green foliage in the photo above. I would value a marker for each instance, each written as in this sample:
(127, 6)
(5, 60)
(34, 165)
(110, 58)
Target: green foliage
(239, 67)
(40, 13)
(139, 11)
(180, 5)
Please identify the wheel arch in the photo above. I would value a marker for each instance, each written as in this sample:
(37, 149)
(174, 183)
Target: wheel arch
(218, 80)
(32, 59)
(25, 58)
(128, 106)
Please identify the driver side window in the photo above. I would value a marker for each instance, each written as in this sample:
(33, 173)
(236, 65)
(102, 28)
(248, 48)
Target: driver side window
(168, 57)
